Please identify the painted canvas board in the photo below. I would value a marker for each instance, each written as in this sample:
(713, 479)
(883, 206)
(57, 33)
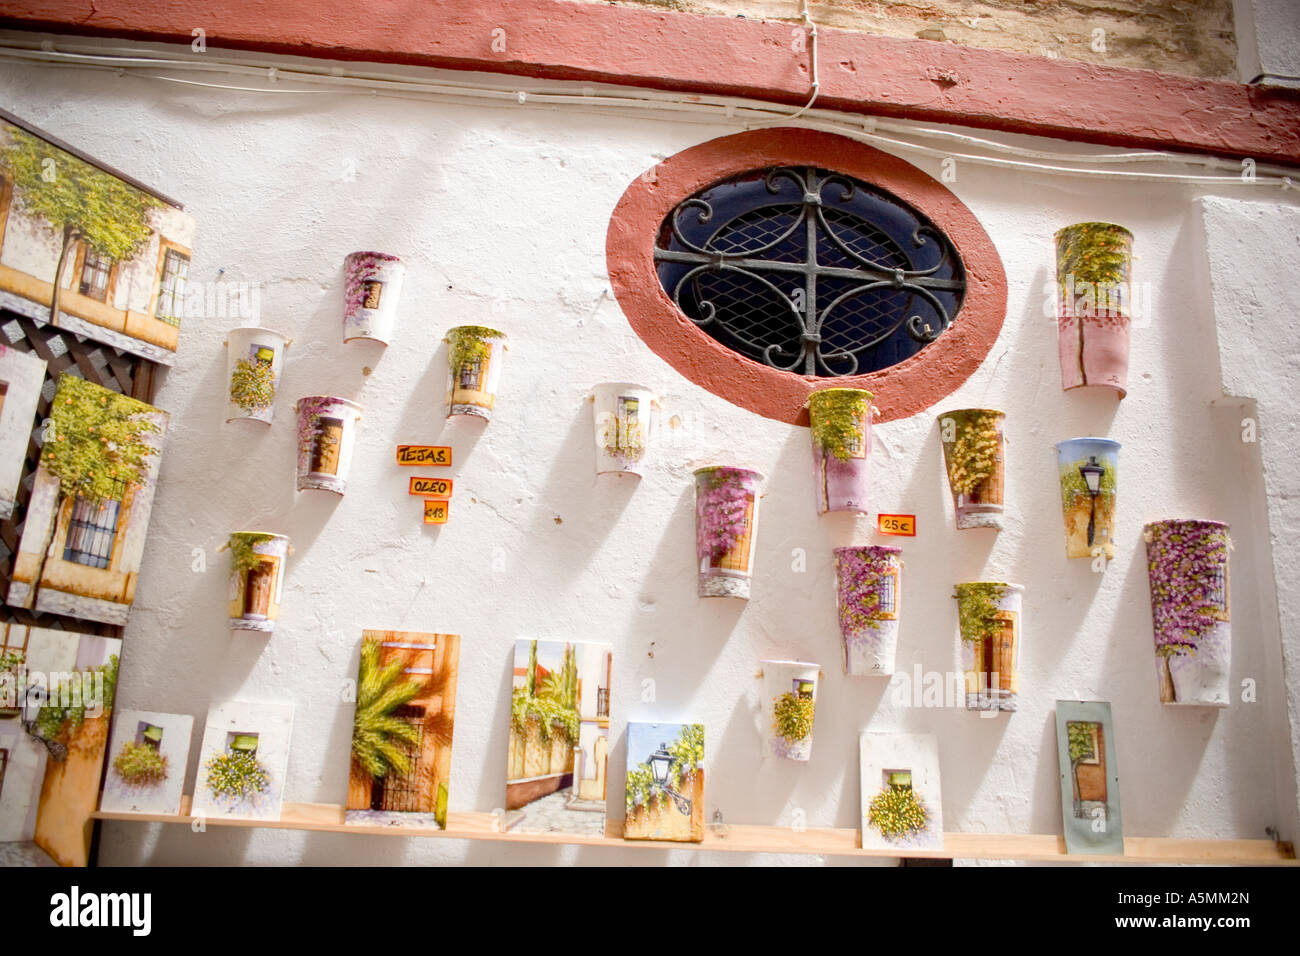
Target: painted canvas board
(402, 730)
(88, 517)
(120, 251)
(1085, 743)
(21, 376)
(559, 737)
(56, 701)
(147, 759)
(665, 782)
(789, 707)
(902, 808)
(243, 761)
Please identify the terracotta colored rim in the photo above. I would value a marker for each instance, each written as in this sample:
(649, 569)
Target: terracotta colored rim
(899, 391)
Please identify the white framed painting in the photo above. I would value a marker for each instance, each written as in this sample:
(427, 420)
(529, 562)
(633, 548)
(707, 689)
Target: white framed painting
(902, 808)
(147, 759)
(243, 762)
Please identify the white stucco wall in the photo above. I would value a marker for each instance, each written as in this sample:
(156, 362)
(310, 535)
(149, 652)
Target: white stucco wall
(501, 215)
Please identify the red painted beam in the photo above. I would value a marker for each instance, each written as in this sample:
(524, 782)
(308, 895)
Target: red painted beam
(915, 79)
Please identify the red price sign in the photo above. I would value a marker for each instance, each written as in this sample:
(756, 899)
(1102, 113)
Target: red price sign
(897, 524)
(430, 487)
(435, 512)
(423, 454)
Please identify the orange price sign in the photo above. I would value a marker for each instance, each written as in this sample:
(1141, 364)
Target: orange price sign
(423, 454)
(430, 487)
(435, 512)
(897, 524)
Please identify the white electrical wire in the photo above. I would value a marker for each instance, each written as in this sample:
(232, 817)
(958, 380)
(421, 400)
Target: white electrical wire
(636, 103)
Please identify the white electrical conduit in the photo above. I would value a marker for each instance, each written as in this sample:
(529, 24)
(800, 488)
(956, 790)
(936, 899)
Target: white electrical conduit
(697, 109)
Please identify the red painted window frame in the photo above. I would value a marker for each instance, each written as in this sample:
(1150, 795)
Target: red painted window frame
(901, 390)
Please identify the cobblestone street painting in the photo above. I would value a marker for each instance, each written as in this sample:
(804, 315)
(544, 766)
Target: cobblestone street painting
(559, 737)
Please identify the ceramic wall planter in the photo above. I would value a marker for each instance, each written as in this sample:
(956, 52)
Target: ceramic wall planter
(624, 416)
(840, 420)
(974, 451)
(256, 579)
(789, 706)
(1187, 567)
(1088, 472)
(254, 361)
(988, 614)
(327, 428)
(726, 524)
(474, 354)
(1094, 268)
(372, 285)
(868, 596)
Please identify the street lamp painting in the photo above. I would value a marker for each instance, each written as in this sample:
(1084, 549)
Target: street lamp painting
(1088, 473)
(665, 782)
(1092, 473)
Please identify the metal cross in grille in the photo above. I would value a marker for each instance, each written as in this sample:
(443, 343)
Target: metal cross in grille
(810, 271)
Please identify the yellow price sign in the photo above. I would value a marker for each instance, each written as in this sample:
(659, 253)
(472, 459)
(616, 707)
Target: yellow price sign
(430, 487)
(435, 512)
(897, 524)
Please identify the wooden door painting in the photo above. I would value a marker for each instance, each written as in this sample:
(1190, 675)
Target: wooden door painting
(629, 414)
(259, 586)
(1089, 775)
(325, 452)
(737, 559)
(996, 662)
(401, 791)
(373, 290)
(402, 731)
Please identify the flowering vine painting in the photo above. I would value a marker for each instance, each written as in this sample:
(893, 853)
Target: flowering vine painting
(665, 782)
(327, 429)
(1187, 569)
(256, 579)
(85, 249)
(868, 597)
(372, 285)
(474, 357)
(1085, 745)
(974, 453)
(254, 361)
(902, 808)
(244, 760)
(402, 729)
(147, 760)
(1094, 266)
(57, 693)
(559, 737)
(988, 616)
(726, 522)
(88, 516)
(840, 424)
(789, 707)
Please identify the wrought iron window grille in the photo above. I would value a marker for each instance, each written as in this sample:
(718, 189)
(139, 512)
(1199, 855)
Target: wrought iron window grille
(810, 271)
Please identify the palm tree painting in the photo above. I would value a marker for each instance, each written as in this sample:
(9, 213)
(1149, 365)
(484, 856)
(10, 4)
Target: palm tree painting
(402, 730)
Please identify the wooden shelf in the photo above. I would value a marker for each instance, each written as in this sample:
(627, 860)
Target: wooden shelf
(328, 818)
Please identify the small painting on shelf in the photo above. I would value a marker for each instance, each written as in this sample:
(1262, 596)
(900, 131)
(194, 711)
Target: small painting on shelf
(665, 782)
(559, 737)
(902, 808)
(243, 762)
(147, 761)
(1085, 741)
(402, 729)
